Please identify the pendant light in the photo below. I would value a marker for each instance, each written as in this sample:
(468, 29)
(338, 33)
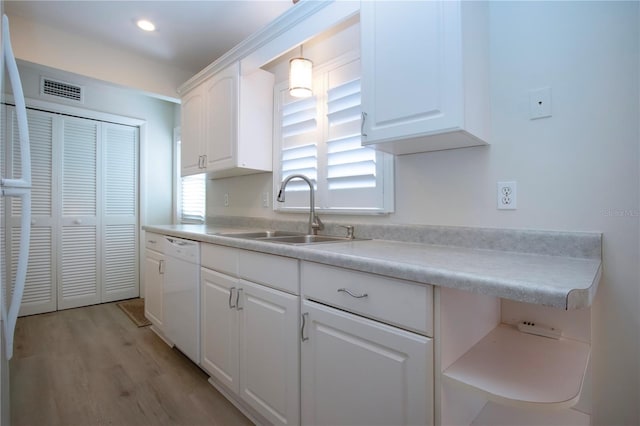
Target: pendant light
(300, 76)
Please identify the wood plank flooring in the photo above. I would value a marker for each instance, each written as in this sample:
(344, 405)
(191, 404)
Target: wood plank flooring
(93, 366)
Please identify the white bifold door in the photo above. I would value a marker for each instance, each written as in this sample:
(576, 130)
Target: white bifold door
(84, 222)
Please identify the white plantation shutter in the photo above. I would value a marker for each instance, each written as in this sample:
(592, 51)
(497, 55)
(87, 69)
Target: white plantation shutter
(120, 238)
(79, 276)
(193, 198)
(320, 138)
(299, 153)
(349, 164)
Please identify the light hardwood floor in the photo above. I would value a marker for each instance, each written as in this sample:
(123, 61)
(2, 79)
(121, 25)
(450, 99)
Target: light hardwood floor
(93, 366)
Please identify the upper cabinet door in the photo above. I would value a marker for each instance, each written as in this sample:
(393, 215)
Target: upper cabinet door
(221, 120)
(227, 124)
(192, 130)
(421, 85)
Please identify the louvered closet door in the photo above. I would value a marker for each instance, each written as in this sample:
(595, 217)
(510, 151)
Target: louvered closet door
(79, 245)
(3, 241)
(40, 290)
(120, 255)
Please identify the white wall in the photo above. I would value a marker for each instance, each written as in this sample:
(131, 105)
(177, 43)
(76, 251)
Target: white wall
(41, 44)
(577, 171)
(156, 151)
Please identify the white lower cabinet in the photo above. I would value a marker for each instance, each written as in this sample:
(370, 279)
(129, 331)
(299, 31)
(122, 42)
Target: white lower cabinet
(250, 344)
(154, 287)
(219, 327)
(154, 263)
(269, 352)
(356, 371)
(360, 364)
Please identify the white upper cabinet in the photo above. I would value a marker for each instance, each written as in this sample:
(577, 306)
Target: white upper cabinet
(226, 124)
(424, 75)
(192, 131)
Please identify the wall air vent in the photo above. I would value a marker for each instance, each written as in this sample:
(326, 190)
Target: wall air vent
(61, 90)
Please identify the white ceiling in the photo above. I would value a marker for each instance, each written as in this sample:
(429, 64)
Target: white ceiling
(189, 35)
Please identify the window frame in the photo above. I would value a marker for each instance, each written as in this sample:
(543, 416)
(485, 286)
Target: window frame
(384, 162)
(179, 185)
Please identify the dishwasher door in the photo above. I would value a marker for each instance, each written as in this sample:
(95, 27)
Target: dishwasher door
(182, 296)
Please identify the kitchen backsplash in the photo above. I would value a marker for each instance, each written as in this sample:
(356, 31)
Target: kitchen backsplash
(551, 243)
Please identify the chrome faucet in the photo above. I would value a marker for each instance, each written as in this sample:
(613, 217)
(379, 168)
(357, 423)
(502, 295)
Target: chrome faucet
(315, 223)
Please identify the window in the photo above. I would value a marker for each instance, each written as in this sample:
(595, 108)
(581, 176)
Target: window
(320, 137)
(191, 193)
(192, 198)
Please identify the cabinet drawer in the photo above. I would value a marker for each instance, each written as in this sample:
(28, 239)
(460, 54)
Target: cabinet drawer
(219, 258)
(154, 241)
(274, 271)
(388, 300)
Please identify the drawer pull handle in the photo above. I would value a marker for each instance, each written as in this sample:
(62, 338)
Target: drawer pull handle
(304, 324)
(153, 241)
(357, 296)
(230, 296)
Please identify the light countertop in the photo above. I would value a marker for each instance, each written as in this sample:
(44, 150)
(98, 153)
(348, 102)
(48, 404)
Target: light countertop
(566, 282)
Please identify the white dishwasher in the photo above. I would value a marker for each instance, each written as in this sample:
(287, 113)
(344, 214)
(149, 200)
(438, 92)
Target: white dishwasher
(182, 295)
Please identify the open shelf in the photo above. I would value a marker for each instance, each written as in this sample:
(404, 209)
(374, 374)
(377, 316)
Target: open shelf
(519, 369)
(502, 415)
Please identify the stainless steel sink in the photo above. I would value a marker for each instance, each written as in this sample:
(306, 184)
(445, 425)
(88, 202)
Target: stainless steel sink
(284, 237)
(308, 239)
(262, 234)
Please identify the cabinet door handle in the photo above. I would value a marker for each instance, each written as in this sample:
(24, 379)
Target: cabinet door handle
(357, 296)
(304, 324)
(152, 241)
(161, 267)
(238, 307)
(364, 118)
(204, 161)
(230, 297)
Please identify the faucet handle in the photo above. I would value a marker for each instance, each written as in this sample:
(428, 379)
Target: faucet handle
(317, 224)
(350, 231)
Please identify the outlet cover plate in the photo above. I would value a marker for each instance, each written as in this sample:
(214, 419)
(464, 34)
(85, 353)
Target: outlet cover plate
(507, 195)
(540, 103)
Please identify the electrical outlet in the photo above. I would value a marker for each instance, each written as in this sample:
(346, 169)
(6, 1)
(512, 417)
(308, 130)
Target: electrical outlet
(507, 196)
(265, 200)
(226, 199)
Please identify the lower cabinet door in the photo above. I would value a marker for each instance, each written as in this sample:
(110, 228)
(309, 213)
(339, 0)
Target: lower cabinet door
(360, 372)
(154, 287)
(269, 352)
(219, 327)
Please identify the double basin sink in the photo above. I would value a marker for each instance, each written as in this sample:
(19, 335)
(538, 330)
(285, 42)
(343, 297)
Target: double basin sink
(284, 237)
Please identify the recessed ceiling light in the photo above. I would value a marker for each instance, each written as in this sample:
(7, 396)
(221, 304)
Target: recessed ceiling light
(143, 24)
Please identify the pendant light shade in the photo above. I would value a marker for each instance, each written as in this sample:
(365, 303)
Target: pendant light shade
(300, 77)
